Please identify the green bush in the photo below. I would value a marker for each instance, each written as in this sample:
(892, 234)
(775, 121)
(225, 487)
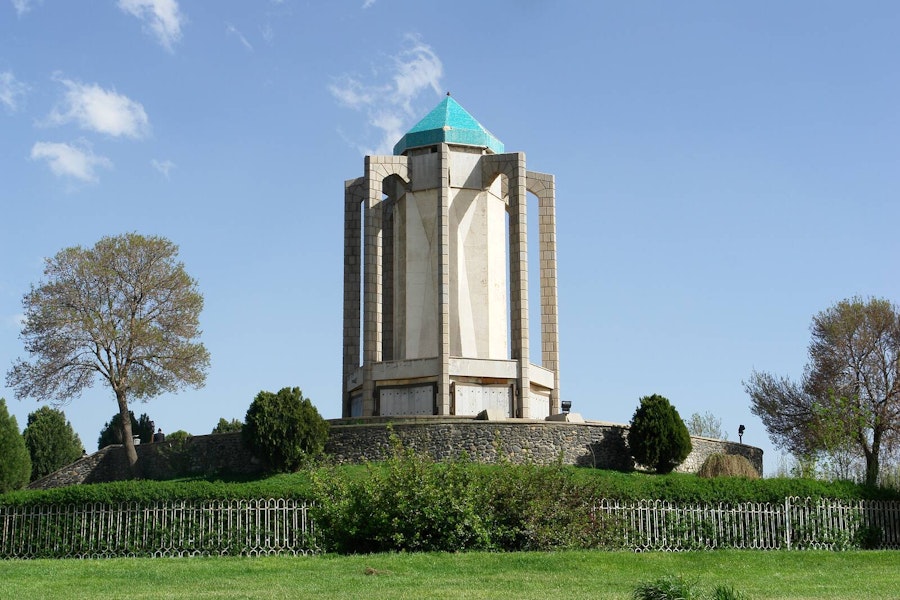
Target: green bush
(285, 430)
(51, 441)
(176, 451)
(15, 464)
(531, 507)
(408, 503)
(657, 437)
(727, 465)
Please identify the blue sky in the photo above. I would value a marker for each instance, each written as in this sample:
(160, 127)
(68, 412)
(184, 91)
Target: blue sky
(724, 171)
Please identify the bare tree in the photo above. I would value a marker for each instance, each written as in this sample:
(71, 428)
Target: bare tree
(125, 310)
(850, 392)
(706, 425)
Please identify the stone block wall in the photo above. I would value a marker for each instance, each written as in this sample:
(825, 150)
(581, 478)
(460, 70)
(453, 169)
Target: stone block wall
(590, 444)
(214, 454)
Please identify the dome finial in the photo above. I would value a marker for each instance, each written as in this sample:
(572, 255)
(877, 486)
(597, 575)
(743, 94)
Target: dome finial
(448, 93)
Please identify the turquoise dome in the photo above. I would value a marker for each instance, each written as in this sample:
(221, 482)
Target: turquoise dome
(448, 123)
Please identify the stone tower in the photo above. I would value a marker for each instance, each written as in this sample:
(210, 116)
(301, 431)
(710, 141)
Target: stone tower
(436, 278)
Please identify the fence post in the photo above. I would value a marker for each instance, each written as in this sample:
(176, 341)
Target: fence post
(787, 522)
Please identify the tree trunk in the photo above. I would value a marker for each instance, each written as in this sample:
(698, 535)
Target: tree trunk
(127, 434)
(872, 463)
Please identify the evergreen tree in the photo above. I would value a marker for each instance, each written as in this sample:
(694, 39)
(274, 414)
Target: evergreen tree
(284, 429)
(112, 430)
(15, 464)
(658, 438)
(51, 441)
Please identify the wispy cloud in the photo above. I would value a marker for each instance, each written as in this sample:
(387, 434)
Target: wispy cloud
(100, 110)
(163, 18)
(389, 104)
(163, 166)
(367, 3)
(68, 160)
(11, 91)
(233, 31)
(23, 6)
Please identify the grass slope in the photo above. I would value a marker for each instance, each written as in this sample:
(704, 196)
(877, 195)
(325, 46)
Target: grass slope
(476, 575)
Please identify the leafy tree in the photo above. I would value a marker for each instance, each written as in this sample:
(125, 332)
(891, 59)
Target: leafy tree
(706, 425)
(850, 391)
(51, 441)
(657, 437)
(224, 426)
(112, 430)
(179, 437)
(284, 429)
(15, 464)
(125, 310)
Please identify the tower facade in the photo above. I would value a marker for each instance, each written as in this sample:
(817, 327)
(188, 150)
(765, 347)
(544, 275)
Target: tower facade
(436, 278)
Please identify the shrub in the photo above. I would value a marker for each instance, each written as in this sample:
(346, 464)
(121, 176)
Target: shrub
(727, 465)
(657, 437)
(15, 464)
(51, 441)
(284, 430)
(532, 507)
(664, 588)
(410, 503)
(177, 453)
(868, 537)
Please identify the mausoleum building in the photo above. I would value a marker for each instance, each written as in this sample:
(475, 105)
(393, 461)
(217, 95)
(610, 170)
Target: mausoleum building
(436, 315)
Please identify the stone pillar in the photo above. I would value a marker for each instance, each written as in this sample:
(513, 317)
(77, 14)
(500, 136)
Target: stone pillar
(372, 306)
(518, 271)
(543, 186)
(354, 194)
(443, 392)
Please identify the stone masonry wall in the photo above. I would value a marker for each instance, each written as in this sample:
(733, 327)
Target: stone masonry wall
(215, 454)
(591, 444)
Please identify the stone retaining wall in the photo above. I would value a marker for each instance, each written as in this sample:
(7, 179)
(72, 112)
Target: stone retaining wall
(214, 454)
(590, 444)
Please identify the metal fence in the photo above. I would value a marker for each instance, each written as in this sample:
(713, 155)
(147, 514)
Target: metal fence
(280, 526)
(214, 527)
(797, 523)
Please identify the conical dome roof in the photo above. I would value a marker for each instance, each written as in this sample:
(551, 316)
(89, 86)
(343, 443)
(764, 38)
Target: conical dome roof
(448, 123)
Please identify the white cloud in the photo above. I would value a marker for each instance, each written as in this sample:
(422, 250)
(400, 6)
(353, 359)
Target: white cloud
(162, 17)
(232, 30)
(163, 166)
(11, 90)
(66, 160)
(104, 111)
(367, 3)
(388, 104)
(23, 6)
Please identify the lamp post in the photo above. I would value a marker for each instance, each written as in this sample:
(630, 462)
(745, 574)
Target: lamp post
(740, 434)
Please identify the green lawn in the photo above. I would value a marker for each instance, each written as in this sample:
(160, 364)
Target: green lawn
(564, 575)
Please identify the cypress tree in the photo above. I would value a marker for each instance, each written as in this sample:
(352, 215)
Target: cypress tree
(15, 464)
(658, 438)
